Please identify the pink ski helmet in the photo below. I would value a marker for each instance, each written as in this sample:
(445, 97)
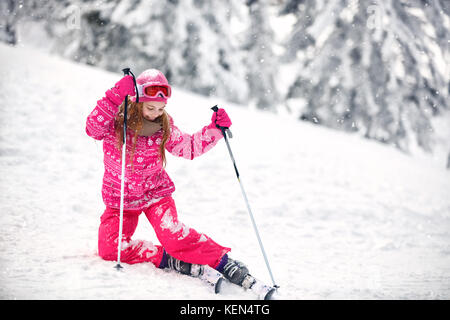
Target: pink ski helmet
(152, 85)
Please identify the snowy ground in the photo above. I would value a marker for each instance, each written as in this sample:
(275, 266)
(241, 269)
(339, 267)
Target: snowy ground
(341, 217)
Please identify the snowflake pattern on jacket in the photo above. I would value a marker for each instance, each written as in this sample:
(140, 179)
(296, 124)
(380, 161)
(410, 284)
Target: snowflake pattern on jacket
(145, 178)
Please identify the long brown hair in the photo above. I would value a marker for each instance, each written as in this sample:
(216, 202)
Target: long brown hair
(135, 120)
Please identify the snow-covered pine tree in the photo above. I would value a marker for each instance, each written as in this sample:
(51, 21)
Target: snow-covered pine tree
(377, 67)
(15, 13)
(298, 40)
(206, 59)
(9, 15)
(262, 64)
(125, 33)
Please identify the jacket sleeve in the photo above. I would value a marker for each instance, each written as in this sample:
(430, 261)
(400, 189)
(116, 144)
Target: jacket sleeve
(100, 121)
(190, 146)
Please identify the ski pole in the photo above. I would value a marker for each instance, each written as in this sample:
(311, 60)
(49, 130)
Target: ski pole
(126, 71)
(224, 133)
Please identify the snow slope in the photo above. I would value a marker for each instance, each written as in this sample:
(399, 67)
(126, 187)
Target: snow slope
(341, 217)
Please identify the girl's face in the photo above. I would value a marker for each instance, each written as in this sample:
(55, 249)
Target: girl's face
(153, 109)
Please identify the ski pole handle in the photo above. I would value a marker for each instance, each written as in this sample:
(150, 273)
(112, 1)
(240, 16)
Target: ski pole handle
(127, 71)
(223, 129)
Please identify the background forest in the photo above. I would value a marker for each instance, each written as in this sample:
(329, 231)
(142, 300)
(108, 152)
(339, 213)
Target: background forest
(378, 68)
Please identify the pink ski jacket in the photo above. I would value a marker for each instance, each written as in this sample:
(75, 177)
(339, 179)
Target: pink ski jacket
(147, 180)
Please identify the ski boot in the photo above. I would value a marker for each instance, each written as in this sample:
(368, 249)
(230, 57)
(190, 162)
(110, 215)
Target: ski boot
(235, 271)
(204, 272)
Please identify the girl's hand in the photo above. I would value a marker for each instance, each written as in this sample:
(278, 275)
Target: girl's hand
(221, 119)
(125, 86)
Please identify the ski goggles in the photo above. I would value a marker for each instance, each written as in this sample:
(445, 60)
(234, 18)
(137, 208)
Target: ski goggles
(154, 91)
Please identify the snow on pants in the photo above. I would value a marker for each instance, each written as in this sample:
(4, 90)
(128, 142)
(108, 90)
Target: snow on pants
(178, 240)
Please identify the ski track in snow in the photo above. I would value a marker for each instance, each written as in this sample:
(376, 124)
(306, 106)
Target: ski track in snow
(341, 217)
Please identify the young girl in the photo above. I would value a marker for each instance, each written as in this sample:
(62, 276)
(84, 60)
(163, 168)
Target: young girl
(148, 188)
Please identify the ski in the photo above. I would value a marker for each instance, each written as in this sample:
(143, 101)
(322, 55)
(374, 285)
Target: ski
(262, 291)
(209, 276)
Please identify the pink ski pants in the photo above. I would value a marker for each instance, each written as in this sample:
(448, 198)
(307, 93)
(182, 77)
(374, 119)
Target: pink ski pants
(178, 240)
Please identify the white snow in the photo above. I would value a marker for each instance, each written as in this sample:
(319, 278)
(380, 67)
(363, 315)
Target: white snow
(341, 217)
